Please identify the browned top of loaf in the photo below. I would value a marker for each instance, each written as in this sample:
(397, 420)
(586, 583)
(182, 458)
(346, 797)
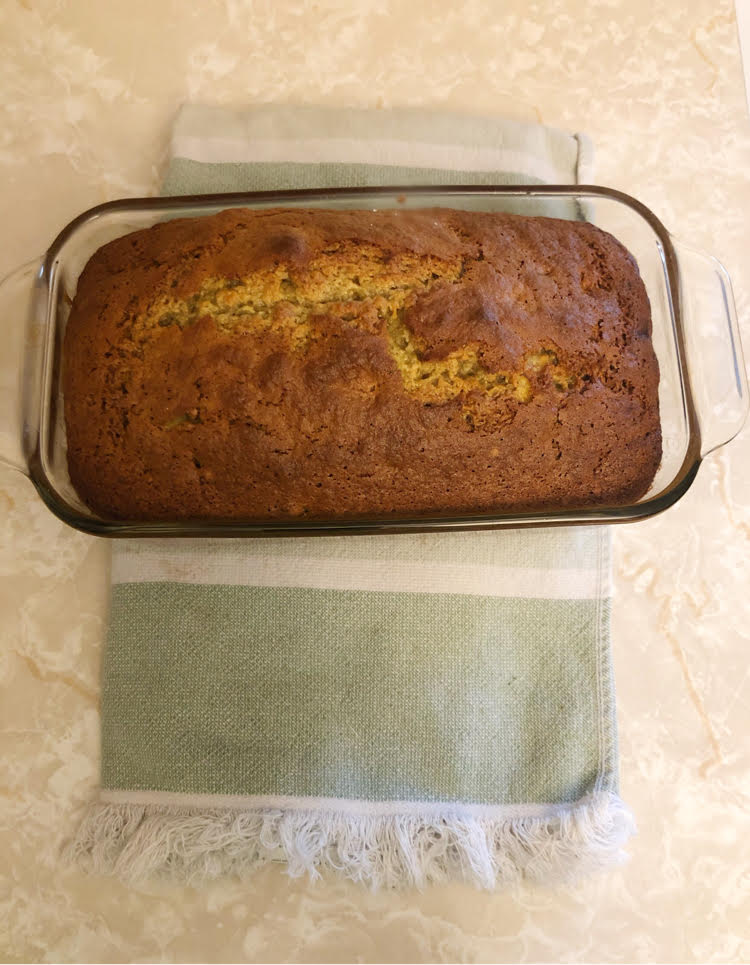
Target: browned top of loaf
(313, 364)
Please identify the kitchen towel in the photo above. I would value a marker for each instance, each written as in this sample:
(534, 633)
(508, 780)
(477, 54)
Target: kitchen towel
(397, 709)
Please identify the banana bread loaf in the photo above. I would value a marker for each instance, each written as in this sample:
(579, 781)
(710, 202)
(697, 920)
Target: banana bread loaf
(313, 364)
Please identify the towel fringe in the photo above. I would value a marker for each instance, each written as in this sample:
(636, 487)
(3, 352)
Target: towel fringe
(138, 842)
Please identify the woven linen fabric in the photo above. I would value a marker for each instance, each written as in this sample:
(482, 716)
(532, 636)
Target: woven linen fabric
(398, 709)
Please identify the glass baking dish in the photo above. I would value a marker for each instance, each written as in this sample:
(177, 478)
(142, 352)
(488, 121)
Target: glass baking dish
(702, 393)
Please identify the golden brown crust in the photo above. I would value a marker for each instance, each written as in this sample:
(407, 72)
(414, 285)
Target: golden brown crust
(287, 364)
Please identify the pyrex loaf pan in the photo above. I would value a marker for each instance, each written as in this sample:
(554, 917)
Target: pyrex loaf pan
(702, 392)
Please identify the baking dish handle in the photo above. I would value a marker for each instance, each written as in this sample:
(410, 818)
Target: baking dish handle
(16, 291)
(714, 351)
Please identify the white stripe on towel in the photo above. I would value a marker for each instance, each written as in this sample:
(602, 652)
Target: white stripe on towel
(253, 802)
(393, 576)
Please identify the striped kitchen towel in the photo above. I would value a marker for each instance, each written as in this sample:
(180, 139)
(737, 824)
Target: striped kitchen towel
(396, 709)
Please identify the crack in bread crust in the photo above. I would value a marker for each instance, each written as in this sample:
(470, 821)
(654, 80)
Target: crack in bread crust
(273, 302)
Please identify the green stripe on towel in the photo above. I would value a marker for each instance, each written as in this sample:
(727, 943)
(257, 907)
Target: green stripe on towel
(374, 689)
(195, 177)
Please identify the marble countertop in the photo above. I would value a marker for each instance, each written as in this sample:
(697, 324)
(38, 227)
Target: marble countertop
(90, 90)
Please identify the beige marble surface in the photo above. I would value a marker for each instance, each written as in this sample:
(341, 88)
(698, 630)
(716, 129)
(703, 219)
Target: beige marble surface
(89, 89)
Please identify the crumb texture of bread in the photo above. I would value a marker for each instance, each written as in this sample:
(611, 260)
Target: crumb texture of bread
(288, 364)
